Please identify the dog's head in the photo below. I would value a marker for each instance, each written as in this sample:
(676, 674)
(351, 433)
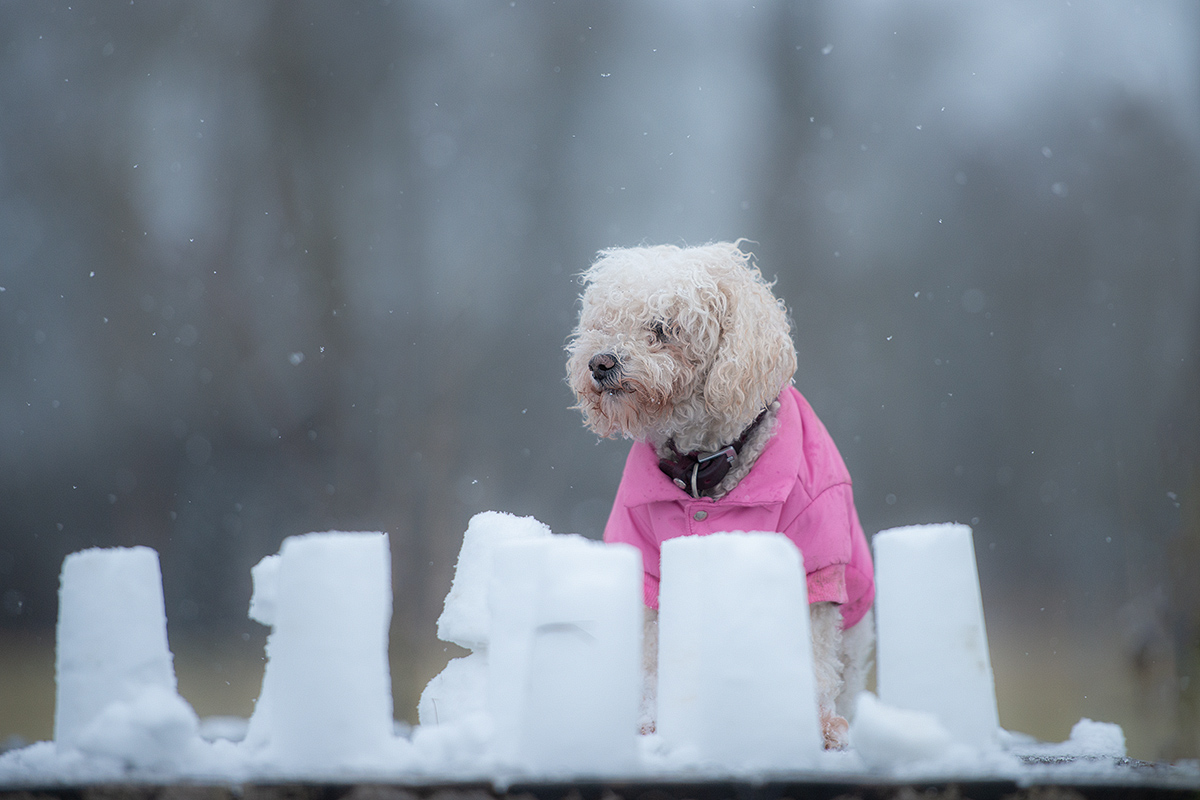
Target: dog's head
(678, 341)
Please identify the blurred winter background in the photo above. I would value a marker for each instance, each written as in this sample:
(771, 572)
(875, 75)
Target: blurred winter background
(275, 267)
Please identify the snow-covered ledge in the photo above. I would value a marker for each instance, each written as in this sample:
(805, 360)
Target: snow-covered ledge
(546, 703)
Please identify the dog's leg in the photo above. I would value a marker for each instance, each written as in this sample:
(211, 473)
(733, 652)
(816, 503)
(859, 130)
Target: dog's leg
(858, 646)
(648, 712)
(826, 623)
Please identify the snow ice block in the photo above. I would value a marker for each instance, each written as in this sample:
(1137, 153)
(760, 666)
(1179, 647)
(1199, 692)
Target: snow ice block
(112, 636)
(932, 645)
(735, 675)
(460, 690)
(327, 696)
(564, 663)
(465, 619)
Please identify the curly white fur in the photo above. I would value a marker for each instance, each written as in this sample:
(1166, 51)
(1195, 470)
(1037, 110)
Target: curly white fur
(688, 346)
(700, 344)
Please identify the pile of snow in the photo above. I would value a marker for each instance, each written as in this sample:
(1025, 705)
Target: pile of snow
(553, 682)
(885, 736)
(1088, 739)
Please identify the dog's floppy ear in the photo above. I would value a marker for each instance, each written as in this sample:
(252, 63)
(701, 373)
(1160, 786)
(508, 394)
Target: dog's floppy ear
(755, 356)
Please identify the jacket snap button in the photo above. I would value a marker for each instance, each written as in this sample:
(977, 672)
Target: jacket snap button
(700, 516)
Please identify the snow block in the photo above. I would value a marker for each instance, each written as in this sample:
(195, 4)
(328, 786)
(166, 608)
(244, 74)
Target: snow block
(465, 619)
(460, 690)
(112, 651)
(564, 677)
(327, 697)
(735, 668)
(932, 651)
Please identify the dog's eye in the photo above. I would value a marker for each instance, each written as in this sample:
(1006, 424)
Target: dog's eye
(659, 329)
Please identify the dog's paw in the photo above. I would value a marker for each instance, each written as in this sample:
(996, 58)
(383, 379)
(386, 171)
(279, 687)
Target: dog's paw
(836, 731)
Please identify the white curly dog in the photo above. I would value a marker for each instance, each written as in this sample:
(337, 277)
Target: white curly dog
(688, 352)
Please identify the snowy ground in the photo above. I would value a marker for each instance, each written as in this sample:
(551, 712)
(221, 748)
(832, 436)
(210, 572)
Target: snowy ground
(552, 687)
(427, 759)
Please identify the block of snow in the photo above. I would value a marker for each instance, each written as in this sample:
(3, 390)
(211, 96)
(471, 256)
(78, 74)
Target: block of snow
(564, 659)
(460, 690)
(932, 650)
(327, 700)
(886, 736)
(465, 620)
(456, 692)
(735, 678)
(113, 664)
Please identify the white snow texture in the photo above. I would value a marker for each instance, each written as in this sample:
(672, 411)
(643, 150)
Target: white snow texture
(932, 647)
(735, 682)
(116, 681)
(328, 599)
(552, 685)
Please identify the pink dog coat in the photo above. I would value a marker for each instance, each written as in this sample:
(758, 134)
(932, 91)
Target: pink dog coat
(799, 487)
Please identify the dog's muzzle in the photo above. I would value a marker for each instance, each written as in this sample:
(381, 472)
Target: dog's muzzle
(605, 369)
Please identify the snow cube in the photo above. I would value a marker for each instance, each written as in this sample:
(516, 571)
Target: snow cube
(564, 661)
(460, 690)
(112, 652)
(465, 619)
(327, 697)
(932, 645)
(735, 668)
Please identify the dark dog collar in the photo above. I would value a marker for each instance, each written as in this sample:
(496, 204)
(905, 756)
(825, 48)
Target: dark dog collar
(696, 472)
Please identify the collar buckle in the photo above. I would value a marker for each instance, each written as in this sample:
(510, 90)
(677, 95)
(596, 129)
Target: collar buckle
(729, 453)
(697, 473)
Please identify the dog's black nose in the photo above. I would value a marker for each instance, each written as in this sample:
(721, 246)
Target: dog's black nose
(602, 366)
